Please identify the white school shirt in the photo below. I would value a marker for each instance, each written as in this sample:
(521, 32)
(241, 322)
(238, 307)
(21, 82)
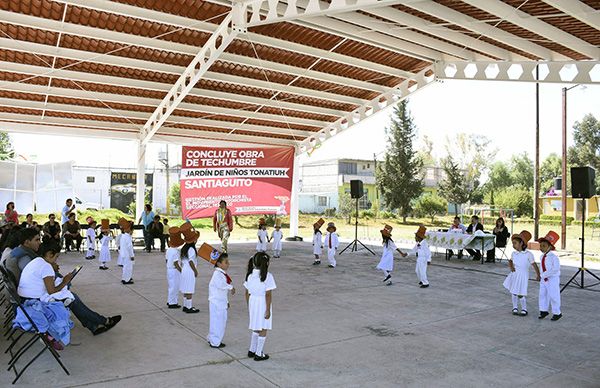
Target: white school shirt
(335, 242)
(317, 239)
(262, 236)
(31, 284)
(126, 246)
(255, 287)
(421, 251)
(218, 288)
(277, 236)
(552, 265)
(172, 255)
(91, 235)
(105, 241)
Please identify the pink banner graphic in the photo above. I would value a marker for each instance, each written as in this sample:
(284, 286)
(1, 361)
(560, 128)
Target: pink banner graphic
(250, 180)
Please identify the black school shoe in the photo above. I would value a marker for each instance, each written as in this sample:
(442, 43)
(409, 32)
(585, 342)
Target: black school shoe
(556, 317)
(130, 281)
(192, 310)
(251, 354)
(173, 306)
(543, 314)
(112, 322)
(424, 285)
(330, 266)
(261, 358)
(387, 278)
(221, 345)
(316, 262)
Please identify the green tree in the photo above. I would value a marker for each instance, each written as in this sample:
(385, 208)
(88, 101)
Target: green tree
(175, 196)
(347, 207)
(426, 152)
(551, 168)
(430, 205)
(6, 148)
(521, 170)
(498, 178)
(517, 198)
(453, 187)
(586, 151)
(399, 177)
(473, 154)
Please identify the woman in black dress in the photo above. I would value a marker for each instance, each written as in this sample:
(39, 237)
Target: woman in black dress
(502, 235)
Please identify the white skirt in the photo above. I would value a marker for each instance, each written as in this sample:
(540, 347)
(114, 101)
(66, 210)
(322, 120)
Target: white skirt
(317, 250)
(261, 247)
(277, 245)
(187, 282)
(257, 306)
(516, 283)
(104, 255)
(386, 263)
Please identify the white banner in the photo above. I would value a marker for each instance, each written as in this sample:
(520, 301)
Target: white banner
(253, 172)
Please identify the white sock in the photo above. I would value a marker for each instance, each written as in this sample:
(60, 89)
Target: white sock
(385, 273)
(260, 345)
(523, 303)
(187, 303)
(253, 342)
(515, 301)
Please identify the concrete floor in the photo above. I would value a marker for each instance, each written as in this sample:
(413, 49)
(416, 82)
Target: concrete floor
(331, 328)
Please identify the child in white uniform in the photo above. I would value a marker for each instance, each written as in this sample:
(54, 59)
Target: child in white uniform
(317, 241)
(277, 238)
(332, 243)
(550, 277)
(118, 245)
(423, 254)
(189, 264)
(91, 241)
(105, 239)
(259, 286)
(517, 281)
(218, 291)
(173, 256)
(263, 236)
(386, 264)
(126, 254)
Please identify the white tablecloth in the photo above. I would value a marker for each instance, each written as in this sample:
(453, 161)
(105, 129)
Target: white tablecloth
(454, 240)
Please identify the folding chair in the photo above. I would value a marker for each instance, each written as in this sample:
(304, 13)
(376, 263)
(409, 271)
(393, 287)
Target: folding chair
(10, 284)
(503, 254)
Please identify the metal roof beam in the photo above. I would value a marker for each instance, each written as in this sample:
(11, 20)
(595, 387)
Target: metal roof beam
(197, 25)
(468, 42)
(407, 87)
(575, 72)
(208, 54)
(159, 86)
(149, 102)
(482, 28)
(173, 119)
(578, 10)
(537, 26)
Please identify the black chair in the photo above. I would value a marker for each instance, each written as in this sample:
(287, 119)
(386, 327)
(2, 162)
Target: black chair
(10, 284)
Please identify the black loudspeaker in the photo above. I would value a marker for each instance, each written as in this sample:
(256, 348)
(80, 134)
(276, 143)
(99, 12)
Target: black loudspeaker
(557, 183)
(583, 182)
(356, 189)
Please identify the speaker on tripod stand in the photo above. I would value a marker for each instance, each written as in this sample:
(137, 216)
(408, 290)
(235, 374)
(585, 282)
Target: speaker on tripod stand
(356, 193)
(582, 186)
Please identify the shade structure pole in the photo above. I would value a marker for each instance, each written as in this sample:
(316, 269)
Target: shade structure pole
(140, 186)
(294, 208)
(536, 171)
(563, 223)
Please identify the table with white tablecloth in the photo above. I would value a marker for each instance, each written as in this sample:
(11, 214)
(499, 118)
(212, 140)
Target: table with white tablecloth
(457, 240)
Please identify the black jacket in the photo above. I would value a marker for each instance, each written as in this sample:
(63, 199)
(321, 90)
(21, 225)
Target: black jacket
(502, 237)
(478, 227)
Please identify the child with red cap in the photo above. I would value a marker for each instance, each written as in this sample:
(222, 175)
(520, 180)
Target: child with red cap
(550, 277)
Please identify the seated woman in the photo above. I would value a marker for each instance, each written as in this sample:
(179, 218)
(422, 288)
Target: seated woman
(40, 288)
(502, 235)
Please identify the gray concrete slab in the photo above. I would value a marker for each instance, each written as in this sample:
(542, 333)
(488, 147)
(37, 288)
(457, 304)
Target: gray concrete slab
(332, 328)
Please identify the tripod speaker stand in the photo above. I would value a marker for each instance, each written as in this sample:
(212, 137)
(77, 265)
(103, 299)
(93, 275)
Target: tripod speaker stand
(583, 186)
(356, 190)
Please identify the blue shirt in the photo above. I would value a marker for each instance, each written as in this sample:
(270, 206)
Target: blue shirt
(147, 218)
(65, 214)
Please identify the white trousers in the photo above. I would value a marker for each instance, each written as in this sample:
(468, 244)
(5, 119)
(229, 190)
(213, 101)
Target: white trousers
(127, 270)
(421, 270)
(173, 281)
(331, 256)
(218, 321)
(550, 294)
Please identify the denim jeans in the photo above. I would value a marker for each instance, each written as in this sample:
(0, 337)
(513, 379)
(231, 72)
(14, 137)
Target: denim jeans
(88, 318)
(147, 238)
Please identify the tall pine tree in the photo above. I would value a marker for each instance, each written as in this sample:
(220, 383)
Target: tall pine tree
(399, 177)
(453, 187)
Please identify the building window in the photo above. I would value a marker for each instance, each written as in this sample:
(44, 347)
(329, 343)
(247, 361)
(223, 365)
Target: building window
(91, 179)
(368, 165)
(347, 168)
(363, 202)
(321, 201)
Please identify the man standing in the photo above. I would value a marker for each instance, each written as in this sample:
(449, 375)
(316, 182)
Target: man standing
(471, 229)
(223, 224)
(146, 219)
(66, 210)
(51, 230)
(156, 232)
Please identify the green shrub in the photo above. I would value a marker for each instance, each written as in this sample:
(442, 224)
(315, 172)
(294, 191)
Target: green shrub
(387, 215)
(517, 198)
(330, 212)
(367, 214)
(430, 205)
(556, 218)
